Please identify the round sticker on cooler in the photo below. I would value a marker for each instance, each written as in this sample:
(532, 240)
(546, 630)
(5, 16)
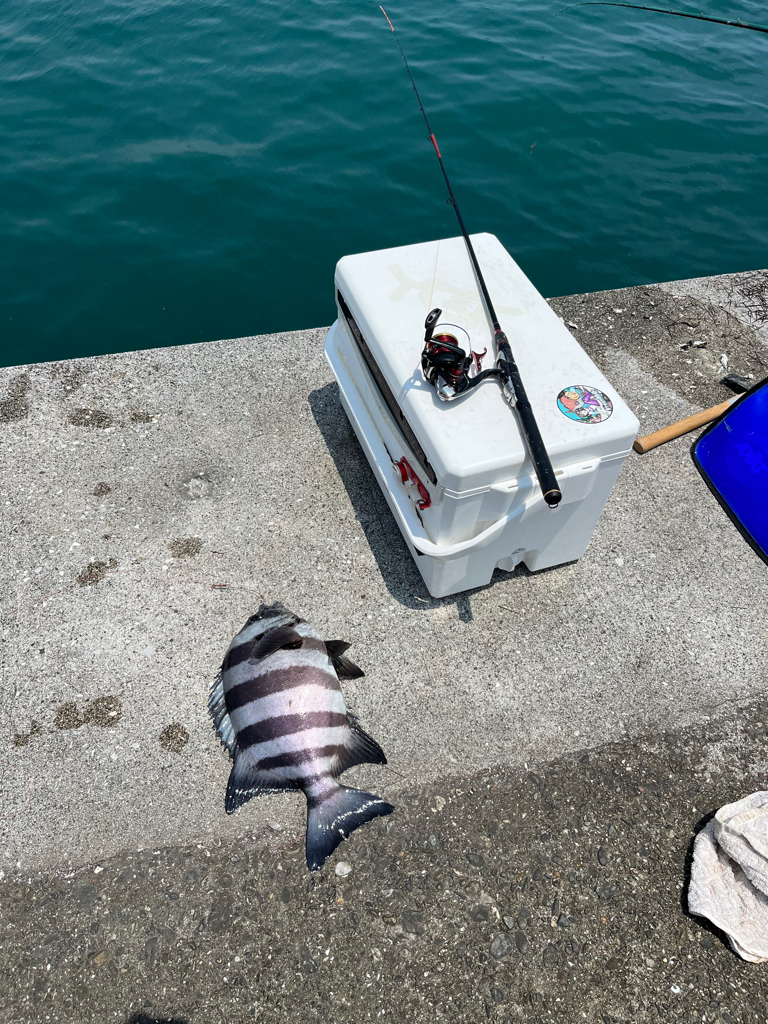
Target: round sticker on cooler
(584, 404)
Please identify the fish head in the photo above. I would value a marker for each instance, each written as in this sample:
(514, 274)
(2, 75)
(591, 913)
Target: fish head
(266, 611)
(266, 618)
(273, 611)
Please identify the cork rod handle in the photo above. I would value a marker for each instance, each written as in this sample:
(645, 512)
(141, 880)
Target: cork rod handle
(644, 444)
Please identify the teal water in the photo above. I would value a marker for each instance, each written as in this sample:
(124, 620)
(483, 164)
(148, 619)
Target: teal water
(173, 172)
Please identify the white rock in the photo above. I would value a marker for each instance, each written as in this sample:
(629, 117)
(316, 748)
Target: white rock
(343, 869)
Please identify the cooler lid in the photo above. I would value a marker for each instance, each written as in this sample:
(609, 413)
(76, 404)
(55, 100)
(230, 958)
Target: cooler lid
(476, 440)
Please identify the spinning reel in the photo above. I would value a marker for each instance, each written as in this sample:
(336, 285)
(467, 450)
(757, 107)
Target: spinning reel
(446, 365)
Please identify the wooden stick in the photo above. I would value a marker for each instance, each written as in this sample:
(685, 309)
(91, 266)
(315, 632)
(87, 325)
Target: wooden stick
(644, 444)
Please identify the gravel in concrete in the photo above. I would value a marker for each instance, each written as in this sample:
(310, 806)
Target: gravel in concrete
(553, 893)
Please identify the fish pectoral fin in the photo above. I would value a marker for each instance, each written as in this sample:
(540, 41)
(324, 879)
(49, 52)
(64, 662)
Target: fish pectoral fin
(361, 748)
(344, 668)
(245, 782)
(217, 708)
(274, 639)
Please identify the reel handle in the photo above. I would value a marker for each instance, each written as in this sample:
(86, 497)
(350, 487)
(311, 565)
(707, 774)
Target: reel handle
(429, 324)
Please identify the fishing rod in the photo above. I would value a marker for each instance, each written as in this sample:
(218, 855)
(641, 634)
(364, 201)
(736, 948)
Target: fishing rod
(507, 370)
(678, 14)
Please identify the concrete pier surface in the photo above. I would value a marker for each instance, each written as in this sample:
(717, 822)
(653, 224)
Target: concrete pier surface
(151, 500)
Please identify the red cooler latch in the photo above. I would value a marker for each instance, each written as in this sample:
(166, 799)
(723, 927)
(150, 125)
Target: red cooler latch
(409, 478)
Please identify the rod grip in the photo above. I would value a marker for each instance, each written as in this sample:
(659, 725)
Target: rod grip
(541, 463)
(535, 442)
(645, 444)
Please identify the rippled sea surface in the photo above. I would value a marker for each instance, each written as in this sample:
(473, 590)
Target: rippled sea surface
(173, 172)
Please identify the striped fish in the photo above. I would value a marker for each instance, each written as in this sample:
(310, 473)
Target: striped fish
(277, 707)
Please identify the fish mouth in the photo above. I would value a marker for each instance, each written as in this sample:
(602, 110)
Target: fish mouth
(267, 611)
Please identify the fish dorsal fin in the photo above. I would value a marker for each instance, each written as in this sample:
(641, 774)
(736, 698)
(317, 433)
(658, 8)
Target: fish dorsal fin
(361, 748)
(275, 639)
(246, 781)
(217, 708)
(344, 668)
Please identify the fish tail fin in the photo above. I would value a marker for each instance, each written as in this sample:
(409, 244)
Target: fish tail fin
(334, 816)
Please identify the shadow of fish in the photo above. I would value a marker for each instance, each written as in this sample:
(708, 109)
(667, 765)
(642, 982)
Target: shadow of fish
(277, 707)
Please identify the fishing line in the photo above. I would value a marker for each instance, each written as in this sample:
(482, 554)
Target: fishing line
(434, 275)
(507, 369)
(389, 768)
(661, 10)
(6, 612)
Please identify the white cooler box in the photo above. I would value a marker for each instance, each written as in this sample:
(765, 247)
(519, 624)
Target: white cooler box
(457, 475)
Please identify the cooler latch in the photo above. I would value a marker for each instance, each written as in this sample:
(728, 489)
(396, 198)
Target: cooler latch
(409, 479)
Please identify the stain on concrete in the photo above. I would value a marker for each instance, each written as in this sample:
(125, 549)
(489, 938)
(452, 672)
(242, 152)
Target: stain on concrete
(95, 572)
(103, 711)
(21, 739)
(67, 717)
(174, 738)
(185, 547)
(16, 406)
(90, 418)
(137, 416)
(70, 379)
(101, 489)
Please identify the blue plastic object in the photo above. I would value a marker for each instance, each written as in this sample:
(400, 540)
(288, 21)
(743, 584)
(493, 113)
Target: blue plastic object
(732, 456)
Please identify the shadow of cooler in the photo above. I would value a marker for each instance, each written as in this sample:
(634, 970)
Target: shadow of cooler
(456, 475)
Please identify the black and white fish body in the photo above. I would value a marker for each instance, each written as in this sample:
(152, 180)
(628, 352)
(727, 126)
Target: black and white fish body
(278, 708)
